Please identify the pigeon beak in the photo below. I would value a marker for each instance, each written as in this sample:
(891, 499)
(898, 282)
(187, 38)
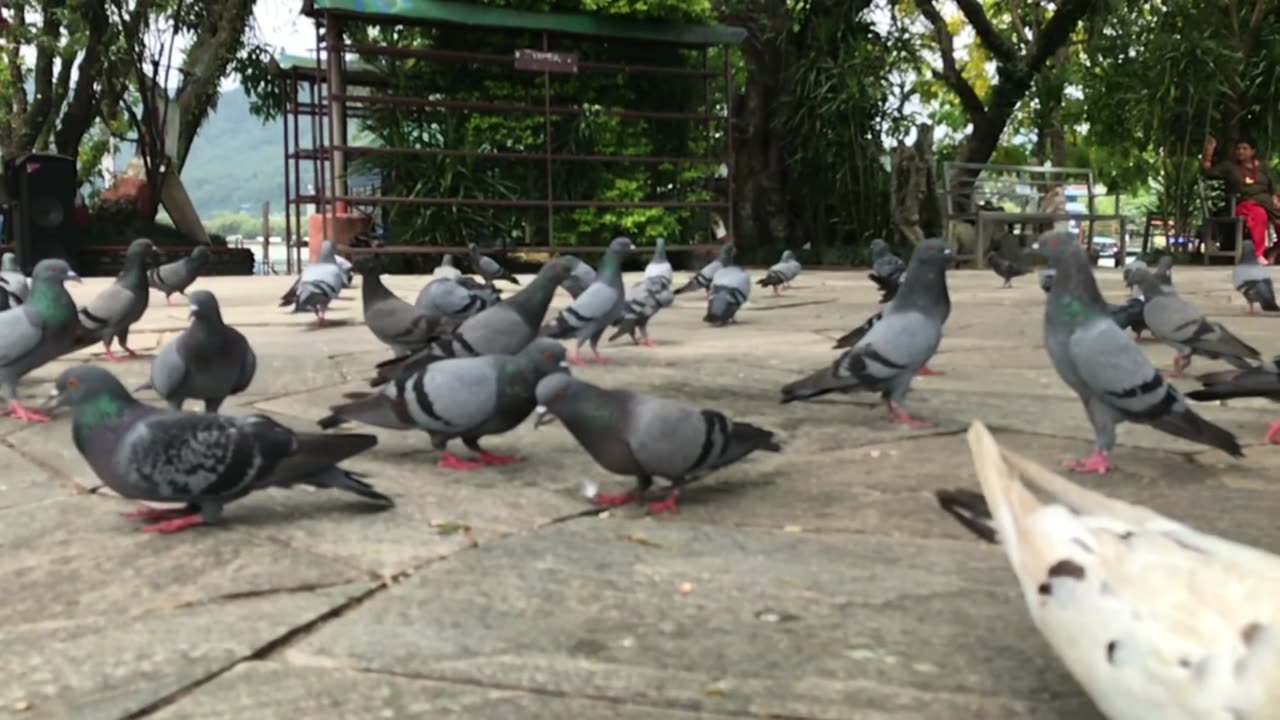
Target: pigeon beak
(542, 416)
(192, 314)
(55, 401)
(73, 277)
(564, 364)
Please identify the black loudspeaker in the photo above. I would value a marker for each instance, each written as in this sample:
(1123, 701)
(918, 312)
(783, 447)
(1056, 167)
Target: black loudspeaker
(41, 223)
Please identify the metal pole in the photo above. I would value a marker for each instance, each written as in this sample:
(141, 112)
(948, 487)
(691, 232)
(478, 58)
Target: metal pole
(546, 129)
(337, 111)
(728, 131)
(266, 238)
(285, 84)
(318, 128)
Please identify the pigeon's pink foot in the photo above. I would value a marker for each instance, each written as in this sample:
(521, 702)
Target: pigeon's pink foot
(666, 505)
(926, 370)
(1180, 363)
(453, 462)
(648, 343)
(1251, 310)
(157, 513)
(601, 359)
(167, 300)
(133, 354)
(112, 357)
(608, 500)
(1273, 432)
(1097, 462)
(18, 411)
(575, 358)
(488, 458)
(176, 524)
(901, 416)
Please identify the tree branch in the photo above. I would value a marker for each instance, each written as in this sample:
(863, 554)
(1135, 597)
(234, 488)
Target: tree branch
(50, 38)
(950, 74)
(1250, 38)
(14, 59)
(1001, 49)
(1015, 18)
(79, 113)
(219, 39)
(1056, 32)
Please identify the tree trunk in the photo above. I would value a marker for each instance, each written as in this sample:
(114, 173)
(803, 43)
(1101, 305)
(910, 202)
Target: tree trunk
(220, 38)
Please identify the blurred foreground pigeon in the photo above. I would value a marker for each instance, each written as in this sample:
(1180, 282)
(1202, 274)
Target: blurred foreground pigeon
(488, 268)
(644, 300)
(1262, 381)
(1180, 325)
(42, 329)
(465, 398)
(1105, 367)
(782, 272)
(597, 308)
(581, 278)
(897, 346)
(446, 269)
(658, 265)
(647, 437)
(1152, 617)
(702, 279)
(504, 329)
(319, 283)
(108, 316)
(730, 289)
(1006, 269)
(397, 324)
(886, 270)
(204, 460)
(1045, 278)
(13, 284)
(208, 361)
(1253, 280)
(177, 276)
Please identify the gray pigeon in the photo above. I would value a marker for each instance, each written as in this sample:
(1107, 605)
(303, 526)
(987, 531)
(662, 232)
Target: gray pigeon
(488, 268)
(1180, 325)
(446, 269)
(644, 300)
(208, 361)
(1262, 381)
(702, 279)
(1128, 272)
(504, 329)
(730, 289)
(896, 347)
(782, 272)
(108, 316)
(646, 437)
(1105, 367)
(204, 460)
(581, 279)
(1045, 277)
(1164, 269)
(317, 286)
(597, 308)
(1005, 269)
(659, 266)
(466, 398)
(13, 284)
(1253, 280)
(455, 300)
(886, 270)
(42, 329)
(177, 276)
(347, 268)
(397, 324)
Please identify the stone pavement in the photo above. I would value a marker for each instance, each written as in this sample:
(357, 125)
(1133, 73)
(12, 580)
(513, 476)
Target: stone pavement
(821, 582)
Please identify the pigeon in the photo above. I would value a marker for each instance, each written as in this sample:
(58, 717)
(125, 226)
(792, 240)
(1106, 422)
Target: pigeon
(1045, 278)
(581, 279)
(781, 273)
(347, 268)
(1129, 316)
(1006, 269)
(1105, 367)
(897, 346)
(646, 437)
(702, 279)
(730, 288)
(446, 269)
(204, 460)
(1180, 325)
(504, 329)
(109, 315)
(1253, 280)
(397, 324)
(13, 284)
(42, 329)
(488, 268)
(177, 276)
(455, 300)
(317, 286)
(644, 300)
(1164, 269)
(466, 398)
(659, 266)
(1260, 381)
(1152, 617)
(596, 308)
(208, 361)
(886, 270)
(1129, 271)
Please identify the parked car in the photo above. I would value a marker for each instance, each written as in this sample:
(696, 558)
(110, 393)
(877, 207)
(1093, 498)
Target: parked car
(1105, 250)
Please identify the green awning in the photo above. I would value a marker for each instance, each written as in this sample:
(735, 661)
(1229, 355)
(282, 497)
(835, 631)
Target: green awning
(447, 11)
(289, 63)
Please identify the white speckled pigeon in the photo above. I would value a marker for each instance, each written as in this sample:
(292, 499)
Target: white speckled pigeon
(644, 300)
(42, 329)
(1005, 269)
(504, 329)
(886, 270)
(399, 325)
(108, 316)
(208, 361)
(1105, 367)
(581, 278)
(782, 272)
(13, 284)
(319, 283)
(1253, 280)
(1180, 325)
(896, 347)
(446, 269)
(465, 398)
(201, 459)
(659, 266)
(646, 437)
(596, 309)
(455, 300)
(730, 289)
(177, 276)
(702, 279)
(488, 268)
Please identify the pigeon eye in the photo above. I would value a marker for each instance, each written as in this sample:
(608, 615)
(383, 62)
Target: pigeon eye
(72, 382)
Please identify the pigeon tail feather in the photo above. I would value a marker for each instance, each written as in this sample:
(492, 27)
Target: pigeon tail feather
(969, 509)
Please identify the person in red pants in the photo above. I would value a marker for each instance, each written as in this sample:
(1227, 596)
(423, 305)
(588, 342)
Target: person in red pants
(1255, 186)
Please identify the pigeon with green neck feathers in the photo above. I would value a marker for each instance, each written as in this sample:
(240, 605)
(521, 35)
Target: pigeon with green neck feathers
(208, 361)
(205, 461)
(595, 309)
(1104, 366)
(177, 276)
(702, 279)
(13, 284)
(42, 329)
(504, 329)
(109, 315)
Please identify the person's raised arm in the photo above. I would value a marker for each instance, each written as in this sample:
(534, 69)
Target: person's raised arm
(1207, 168)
